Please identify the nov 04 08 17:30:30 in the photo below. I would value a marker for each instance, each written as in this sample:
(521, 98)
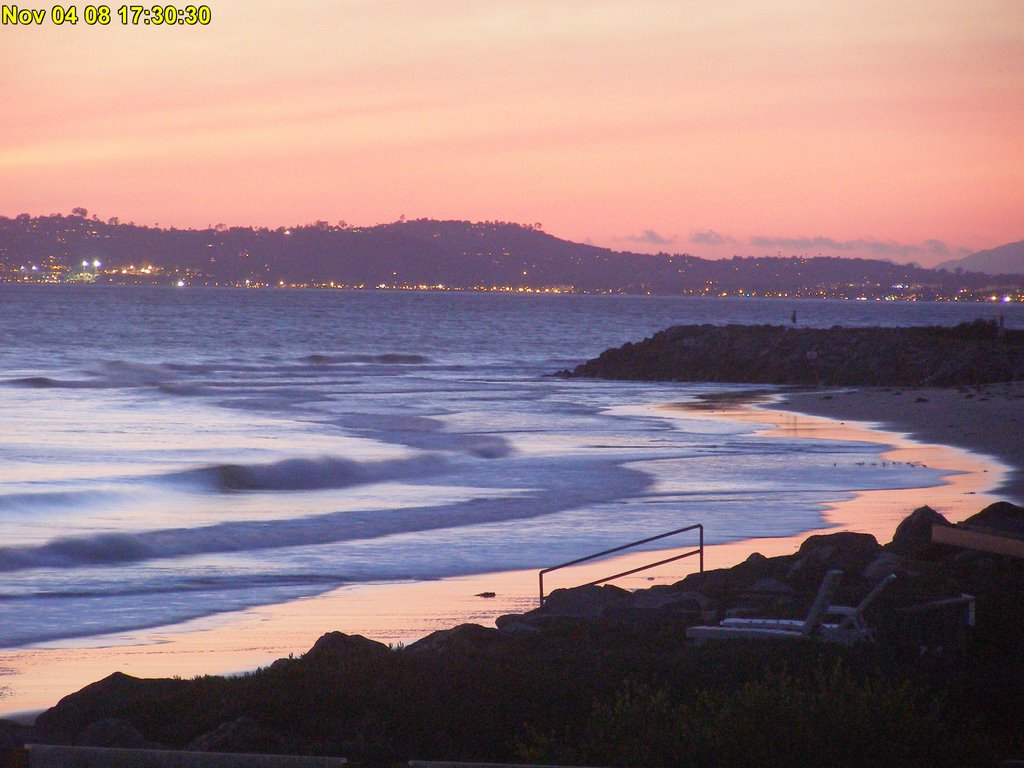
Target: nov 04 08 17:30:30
(92, 15)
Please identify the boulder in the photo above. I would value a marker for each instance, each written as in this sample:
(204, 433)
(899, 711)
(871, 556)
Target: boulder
(337, 646)
(846, 551)
(465, 639)
(116, 696)
(582, 602)
(914, 533)
(241, 735)
(883, 565)
(1001, 517)
(515, 624)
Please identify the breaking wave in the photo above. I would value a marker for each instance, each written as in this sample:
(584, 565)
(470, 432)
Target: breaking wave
(559, 490)
(46, 382)
(310, 474)
(389, 358)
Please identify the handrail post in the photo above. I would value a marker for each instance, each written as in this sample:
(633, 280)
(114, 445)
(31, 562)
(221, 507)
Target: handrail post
(700, 529)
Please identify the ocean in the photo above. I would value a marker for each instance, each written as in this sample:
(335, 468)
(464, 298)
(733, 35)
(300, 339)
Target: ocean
(168, 454)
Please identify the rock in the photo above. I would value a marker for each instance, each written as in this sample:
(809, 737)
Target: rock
(116, 696)
(771, 587)
(113, 732)
(970, 353)
(915, 532)
(881, 567)
(7, 744)
(463, 639)
(1002, 516)
(241, 735)
(14, 734)
(846, 551)
(652, 606)
(514, 624)
(336, 646)
(582, 602)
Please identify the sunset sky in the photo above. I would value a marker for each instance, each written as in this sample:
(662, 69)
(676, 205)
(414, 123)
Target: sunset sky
(868, 128)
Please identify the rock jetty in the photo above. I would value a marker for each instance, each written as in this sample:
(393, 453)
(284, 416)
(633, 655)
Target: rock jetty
(979, 352)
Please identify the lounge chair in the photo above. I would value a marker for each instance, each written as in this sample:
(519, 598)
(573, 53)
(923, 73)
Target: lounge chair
(771, 629)
(849, 629)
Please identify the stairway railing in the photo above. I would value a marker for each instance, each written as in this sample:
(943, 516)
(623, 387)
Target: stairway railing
(699, 551)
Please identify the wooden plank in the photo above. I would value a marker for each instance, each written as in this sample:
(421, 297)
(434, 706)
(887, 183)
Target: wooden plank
(973, 539)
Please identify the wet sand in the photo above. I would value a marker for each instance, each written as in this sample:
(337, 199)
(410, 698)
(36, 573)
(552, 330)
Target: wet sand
(987, 419)
(35, 678)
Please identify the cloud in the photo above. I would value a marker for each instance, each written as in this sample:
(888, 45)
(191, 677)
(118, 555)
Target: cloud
(875, 247)
(650, 237)
(710, 237)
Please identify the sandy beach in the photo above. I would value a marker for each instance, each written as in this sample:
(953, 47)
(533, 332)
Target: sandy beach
(966, 436)
(986, 419)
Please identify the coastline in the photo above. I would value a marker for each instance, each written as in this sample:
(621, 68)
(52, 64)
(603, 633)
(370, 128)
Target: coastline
(35, 678)
(985, 419)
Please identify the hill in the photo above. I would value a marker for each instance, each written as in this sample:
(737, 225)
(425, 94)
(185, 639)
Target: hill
(426, 253)
(1005, 260)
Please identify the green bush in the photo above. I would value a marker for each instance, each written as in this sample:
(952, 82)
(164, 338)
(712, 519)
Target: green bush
(829, 718)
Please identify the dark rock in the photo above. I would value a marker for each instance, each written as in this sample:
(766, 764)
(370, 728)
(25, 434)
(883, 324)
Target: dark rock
(7, 743)
(1002, 517)
(463, 639)
(883, 565)
(114, 696)
(515, 624)
(846, 551)
(765, 354)
(674, 602)
(651, 607)
(14, 734)
(582, 602)
(241, 735)
(335, 646)
(914, 533)
(842, 544)
(771, 587)
(113, 732)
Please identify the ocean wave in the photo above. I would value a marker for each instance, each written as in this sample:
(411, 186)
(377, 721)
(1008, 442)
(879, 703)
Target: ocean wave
(387, 358)
(552, 488)
(46, 382)
(36, 503)
(308, 474)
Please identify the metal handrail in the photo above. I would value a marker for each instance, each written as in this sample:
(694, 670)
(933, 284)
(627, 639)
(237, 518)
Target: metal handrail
(577, 561)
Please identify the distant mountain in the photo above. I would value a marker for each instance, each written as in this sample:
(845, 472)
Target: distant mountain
(425, 253)
(1005, 260)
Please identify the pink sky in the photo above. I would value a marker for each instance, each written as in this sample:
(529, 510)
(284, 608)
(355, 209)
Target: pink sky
(876, 128)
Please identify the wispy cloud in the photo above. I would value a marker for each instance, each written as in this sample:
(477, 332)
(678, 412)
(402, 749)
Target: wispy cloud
(871, 247)
(649, 237)
(929, 250)
(710, 237)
